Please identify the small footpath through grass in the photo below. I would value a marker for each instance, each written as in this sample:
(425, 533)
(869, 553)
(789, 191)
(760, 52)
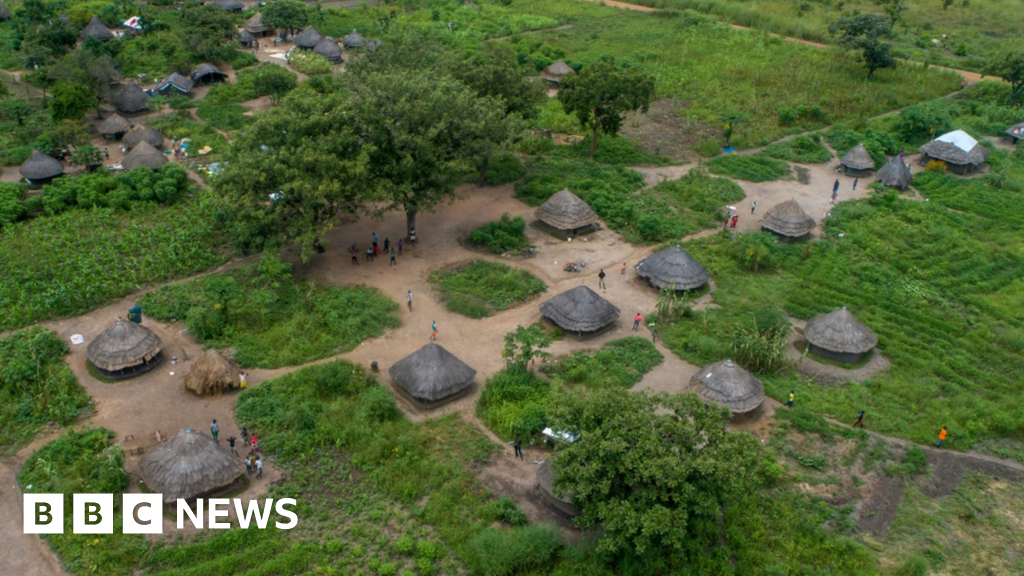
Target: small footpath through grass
(481, 288)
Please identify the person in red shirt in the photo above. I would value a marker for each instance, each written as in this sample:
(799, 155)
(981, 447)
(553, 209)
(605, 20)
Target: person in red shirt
(636, 321)
(735, 219)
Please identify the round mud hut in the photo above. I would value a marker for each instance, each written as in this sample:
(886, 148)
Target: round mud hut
(190, 465)
(895, 174)
(210, 374)
(566, 213)
(431, 376)
(555, 72)
(39, 169)
(96, 29)
(580, 310)
(839, 337)
(245, 38)
(353, 40)
(728, 384)
(125, 349)
(114, 127)
(961, 153)
(858, 162)
(373, 44)
(788, 220)
(329, 49)
(673, 268)
(142, 133)
(546, 486)
(308, 38)
(207, 73)
(144, 155)
(132, 99)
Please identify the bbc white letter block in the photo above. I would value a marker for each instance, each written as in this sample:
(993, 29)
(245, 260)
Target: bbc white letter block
(44, 514)
(92, 514)
(142, 513)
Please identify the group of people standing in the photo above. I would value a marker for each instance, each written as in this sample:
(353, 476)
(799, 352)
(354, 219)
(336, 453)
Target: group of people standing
(374, 250)
(253, 460)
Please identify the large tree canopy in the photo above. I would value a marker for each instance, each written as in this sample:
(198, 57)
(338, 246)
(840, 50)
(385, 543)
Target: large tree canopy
(654, 471)
(285, 14)
(1010, 67)
(601, 93)
(867, 32)
(207, 31)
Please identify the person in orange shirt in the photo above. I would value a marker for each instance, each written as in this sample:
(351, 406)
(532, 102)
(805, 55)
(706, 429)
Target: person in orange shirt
(942, 437)
(636, 321)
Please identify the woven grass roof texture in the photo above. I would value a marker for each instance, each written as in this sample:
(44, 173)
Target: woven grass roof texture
(308, 38)
(188, 465)
(329, 49)
(895, 174)
(354, 40)
(211, 373)
(96, 29)
(557, 70)
(123, 345)
(788, 219)
(858, 158)
(566, 211)
(114, 124)
(142, 133)
(432, 373)
(580, 309)
(839, 331)
(144, 155)
(132, 98)
(728, 384)
(956, 147)
(39, 166)
(673, 268)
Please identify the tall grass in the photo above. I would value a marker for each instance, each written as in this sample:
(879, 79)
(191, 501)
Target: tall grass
(480, 288)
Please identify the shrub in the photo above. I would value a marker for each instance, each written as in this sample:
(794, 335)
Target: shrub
(620, 364)
(506, 510)
(513, 402)
(755, 168)
(12, 208)
(309, 63)
(479, 288)
(709, 148)
(757, 251)
(224, 117)
(503, 168)
(106, 190)
(507, 234)
(763, 347)
(496, 552)
(379, 406)
(405, 545)
(935, 166)
(803, 149)
(548, 175)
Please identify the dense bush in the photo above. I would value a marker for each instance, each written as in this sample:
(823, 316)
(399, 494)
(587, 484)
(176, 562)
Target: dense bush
(878, 143)
(271, 319)
(224, 117)
(12, 207)
(501, 552)
(548, 175)
(36, 386)
(755, 168)
(611, 150)
(505, 235)
(763, 345)
(107, 190)
(620, 363)
(802, 149)
(514, 402)
(502, 168)
(309, 63)
(480, 288)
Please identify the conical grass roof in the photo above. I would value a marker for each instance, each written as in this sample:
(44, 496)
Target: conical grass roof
(956, 147)
(557, 70)
(329, 49)
(895, 174)
(308, 38)
(673, 268)
(246, 37)
(580, 310)
(39, 166)
(728, 384)
(123, 345)
(144, 154)
(96, 29)
(142, 133)
(211, 373)
(858, 158)
(840, 332)
(354, 40)
(131, 99)
(4, 14)
(431, 373)
(788, 219)
(565, 211)
(229, 5)
(189, 465)
(372, 45)
(206, 71)
(114, 124)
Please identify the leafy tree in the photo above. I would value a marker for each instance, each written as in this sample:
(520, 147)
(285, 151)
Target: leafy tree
(87, 155)
(274, 81)
(83, 67)
(207, 31)
(70, 101)
(866, 32)
(601, 93)
(12, 208)
(730, 118)
(285, 14)
(1010, 67)
(654, 471)
(894, 9)
(419, 131)
(524, 345)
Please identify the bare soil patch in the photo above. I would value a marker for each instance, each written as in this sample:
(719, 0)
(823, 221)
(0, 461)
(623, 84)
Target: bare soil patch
(663, 131)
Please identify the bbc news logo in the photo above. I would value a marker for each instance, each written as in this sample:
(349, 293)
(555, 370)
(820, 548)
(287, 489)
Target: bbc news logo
(142, 513)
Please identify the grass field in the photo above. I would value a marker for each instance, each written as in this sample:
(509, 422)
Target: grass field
(481, 288)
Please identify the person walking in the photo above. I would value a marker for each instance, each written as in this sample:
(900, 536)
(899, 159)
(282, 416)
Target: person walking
(792, 397)
(259, 467)
(654, 333)
(942, 437)
(735, 219)
(400, 244)
(375, 234)
(433, 330)
(243, 380)
(835, 187)
(408, 300)
(245, 435)
(249, 464)
(387, 245)
(860, 420)
(231, 445)
(518, 445)
(636, 321)
(600, 279)
(623, 271)
(214, 430)
(753, 207)
(855, 180)
(355, 255)
(393, 261)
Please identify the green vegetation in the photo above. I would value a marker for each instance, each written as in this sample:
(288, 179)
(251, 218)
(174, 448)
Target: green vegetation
(754, 168)
(801, 149)
(36, 386)
(309, 63)
(224, 117)
(180, 125)
(480, 288)
(69, 263)
(505, 235)
(108, 190)
(271, 319)
(497, 552)
(503, 168)
(619, 364)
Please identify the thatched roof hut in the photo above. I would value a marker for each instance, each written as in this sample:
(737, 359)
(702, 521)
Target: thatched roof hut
(189, 465)
(114, 126)
(373, 44)
(4, 14)
(329, 49)
(1016, 132)
(207, 73)
(144, 154)
(858, 162)
(673, 268)
(211, 373)
(40, 168)
(131, 99)
(175, 82)
(727, 384)
(254, 25)
(125, 349)
(555, 72)
(308, 38)
(431, 375)
(245, 38)
(788, 219)
(229, 5)
(839, 336)
(565, 211)
(546, 484)
(895, 174)
(353, 40)
(580, 309)
(142, 133)
(961, 153)
(96, 29)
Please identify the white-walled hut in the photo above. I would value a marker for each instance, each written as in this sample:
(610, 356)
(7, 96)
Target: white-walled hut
(839, 337)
